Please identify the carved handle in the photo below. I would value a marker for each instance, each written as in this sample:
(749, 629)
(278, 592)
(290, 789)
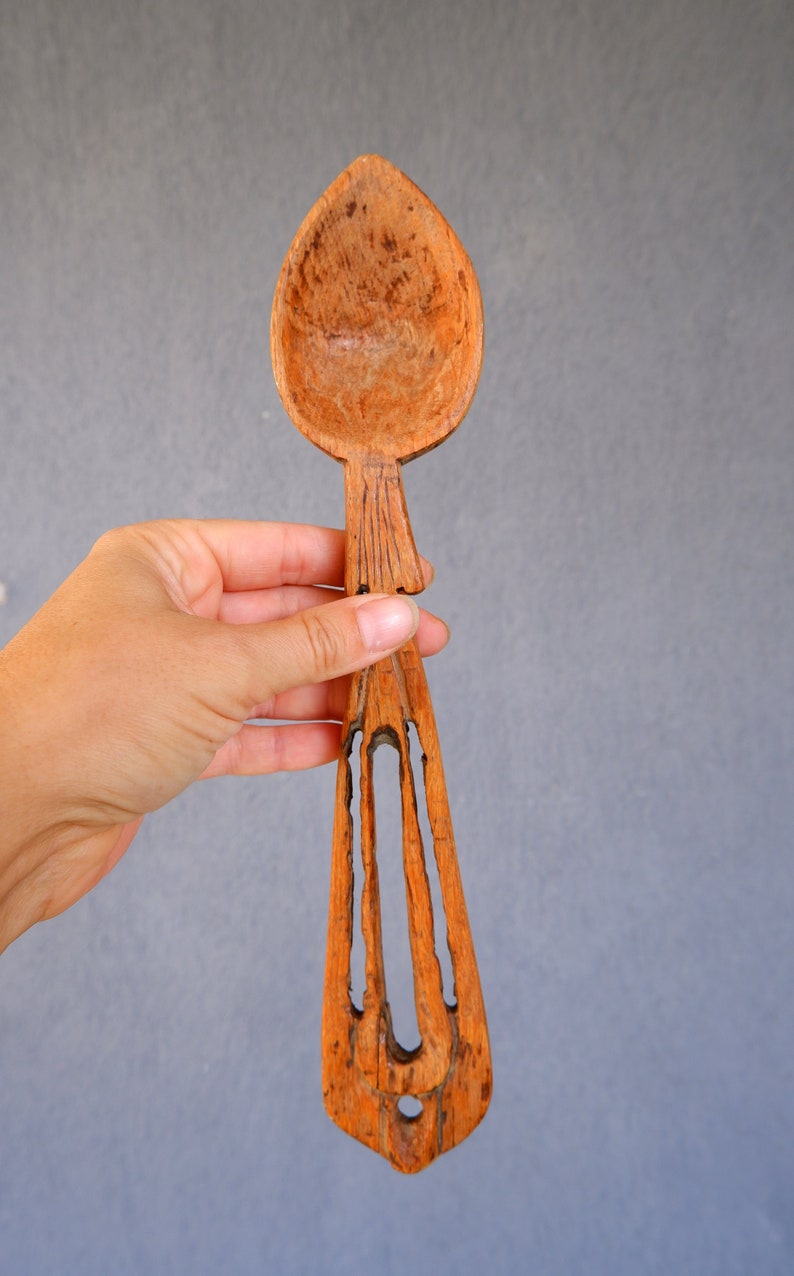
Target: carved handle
(380, 553)
(366, 1072)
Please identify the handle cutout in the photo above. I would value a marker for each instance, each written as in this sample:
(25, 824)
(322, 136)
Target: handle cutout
(440, 928)
(391, 883)
(397, 961)
(409, 1107)
(358, 956)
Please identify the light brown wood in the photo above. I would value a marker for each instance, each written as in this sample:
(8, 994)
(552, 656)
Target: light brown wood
(376, 339)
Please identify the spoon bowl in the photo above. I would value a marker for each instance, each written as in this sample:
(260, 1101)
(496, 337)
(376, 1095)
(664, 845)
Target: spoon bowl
(377, 334)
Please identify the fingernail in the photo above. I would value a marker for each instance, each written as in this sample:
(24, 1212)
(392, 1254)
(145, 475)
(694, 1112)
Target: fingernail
(387, 622)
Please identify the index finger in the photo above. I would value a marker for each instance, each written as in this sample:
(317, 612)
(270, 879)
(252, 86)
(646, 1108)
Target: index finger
(253, 555)
(264, 555)
(200, 560)
(206, 558)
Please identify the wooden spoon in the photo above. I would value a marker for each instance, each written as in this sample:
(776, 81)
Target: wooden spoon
(376, 339)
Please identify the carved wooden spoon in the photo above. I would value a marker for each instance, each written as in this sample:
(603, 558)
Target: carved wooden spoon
(376, 339)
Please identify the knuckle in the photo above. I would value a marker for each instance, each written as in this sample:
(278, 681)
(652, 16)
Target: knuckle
(110, 541)
(325, 643)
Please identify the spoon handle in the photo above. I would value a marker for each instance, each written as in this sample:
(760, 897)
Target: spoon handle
(366, 1072)
(380, 553)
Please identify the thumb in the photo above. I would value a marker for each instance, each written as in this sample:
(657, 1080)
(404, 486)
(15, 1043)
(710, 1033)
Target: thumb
(322, 642)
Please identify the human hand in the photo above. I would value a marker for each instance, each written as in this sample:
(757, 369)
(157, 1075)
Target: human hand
(142, 673)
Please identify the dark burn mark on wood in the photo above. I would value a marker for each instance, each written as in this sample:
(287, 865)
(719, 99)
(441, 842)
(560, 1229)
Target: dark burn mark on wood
(351, 208)
(397, 283)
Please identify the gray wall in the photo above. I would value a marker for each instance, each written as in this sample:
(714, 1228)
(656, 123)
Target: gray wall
(612, 531)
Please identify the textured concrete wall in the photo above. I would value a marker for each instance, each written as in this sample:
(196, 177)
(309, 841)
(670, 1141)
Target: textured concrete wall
(612, 532)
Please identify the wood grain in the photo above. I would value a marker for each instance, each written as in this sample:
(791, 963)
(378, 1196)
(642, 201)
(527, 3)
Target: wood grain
(376, 339)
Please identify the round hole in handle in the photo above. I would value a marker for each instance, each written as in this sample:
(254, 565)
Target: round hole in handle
(409, 1107)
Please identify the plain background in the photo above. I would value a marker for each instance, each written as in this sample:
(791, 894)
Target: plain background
(612, 529)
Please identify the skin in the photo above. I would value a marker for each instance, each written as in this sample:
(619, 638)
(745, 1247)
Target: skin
(142, 673)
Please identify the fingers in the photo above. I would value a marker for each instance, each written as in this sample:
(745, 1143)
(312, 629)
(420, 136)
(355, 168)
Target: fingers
(432, 635)
(259, 606)
(314, 645)
(327, 700)
(204, 564)
(262, 555)
(263, 750)
(304, 741)
(255, 606)
(252, 555)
